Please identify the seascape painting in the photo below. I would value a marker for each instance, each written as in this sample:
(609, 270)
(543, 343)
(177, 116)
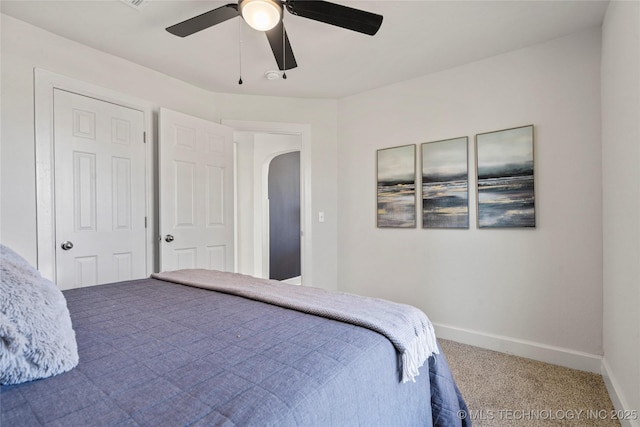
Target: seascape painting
(396, 187)
(445, 184)
(505, 168)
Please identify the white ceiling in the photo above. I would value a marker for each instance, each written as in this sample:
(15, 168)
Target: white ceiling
(417, 37)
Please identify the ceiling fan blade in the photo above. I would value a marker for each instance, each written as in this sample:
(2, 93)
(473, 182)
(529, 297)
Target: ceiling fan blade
(285, 60)
(336, 14)
(205, 20)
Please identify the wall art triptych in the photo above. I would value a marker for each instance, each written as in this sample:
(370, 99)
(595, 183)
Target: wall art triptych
(505, 195)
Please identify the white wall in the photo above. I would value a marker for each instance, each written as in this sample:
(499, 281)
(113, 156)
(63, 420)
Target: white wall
(621, 201)
(25, 47)
(244, 197)
(536, 292)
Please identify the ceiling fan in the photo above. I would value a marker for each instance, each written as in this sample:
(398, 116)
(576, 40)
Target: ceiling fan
(266, 15)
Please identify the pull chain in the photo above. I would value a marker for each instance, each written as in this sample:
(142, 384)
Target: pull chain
(284, 52)
(240, 50)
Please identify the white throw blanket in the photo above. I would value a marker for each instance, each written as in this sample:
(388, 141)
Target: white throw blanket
(37, 339)
(407, 327)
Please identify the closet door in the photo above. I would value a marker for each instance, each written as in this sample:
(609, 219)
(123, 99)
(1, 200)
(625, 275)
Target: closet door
(100, 192)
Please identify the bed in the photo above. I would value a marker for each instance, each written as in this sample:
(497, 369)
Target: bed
(155, 352)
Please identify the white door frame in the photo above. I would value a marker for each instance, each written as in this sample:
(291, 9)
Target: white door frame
(304, 132)
(44, 84)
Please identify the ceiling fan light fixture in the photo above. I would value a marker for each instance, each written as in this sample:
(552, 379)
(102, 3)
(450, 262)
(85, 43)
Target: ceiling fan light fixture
(261, 15)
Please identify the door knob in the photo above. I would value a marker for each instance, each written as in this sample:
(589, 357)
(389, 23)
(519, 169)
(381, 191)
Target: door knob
(66, 245)
(168, 238)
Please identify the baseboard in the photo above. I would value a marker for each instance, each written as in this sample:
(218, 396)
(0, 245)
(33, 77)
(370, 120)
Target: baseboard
(294, 280)
(617, 398)
(531, 350)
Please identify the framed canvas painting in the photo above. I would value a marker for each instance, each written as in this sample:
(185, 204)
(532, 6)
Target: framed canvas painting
(396, 187)
(445, 184)
(505, 168)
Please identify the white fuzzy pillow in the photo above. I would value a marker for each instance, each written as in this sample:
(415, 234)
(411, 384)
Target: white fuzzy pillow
(36, 336)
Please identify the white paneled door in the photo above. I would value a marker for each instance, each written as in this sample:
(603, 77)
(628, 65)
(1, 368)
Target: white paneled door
(196, 193)
(99, 191)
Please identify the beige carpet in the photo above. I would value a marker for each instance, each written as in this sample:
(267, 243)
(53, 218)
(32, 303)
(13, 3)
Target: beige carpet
(505, 390)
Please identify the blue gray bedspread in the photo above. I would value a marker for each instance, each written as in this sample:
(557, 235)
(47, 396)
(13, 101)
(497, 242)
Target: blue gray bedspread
(407, 327)
(160, 354)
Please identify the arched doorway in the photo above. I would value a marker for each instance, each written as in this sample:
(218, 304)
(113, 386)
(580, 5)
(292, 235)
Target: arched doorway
(284, 216)
(257, 144)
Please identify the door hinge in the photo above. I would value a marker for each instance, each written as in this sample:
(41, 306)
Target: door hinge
(144, 137)
(145, 222)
